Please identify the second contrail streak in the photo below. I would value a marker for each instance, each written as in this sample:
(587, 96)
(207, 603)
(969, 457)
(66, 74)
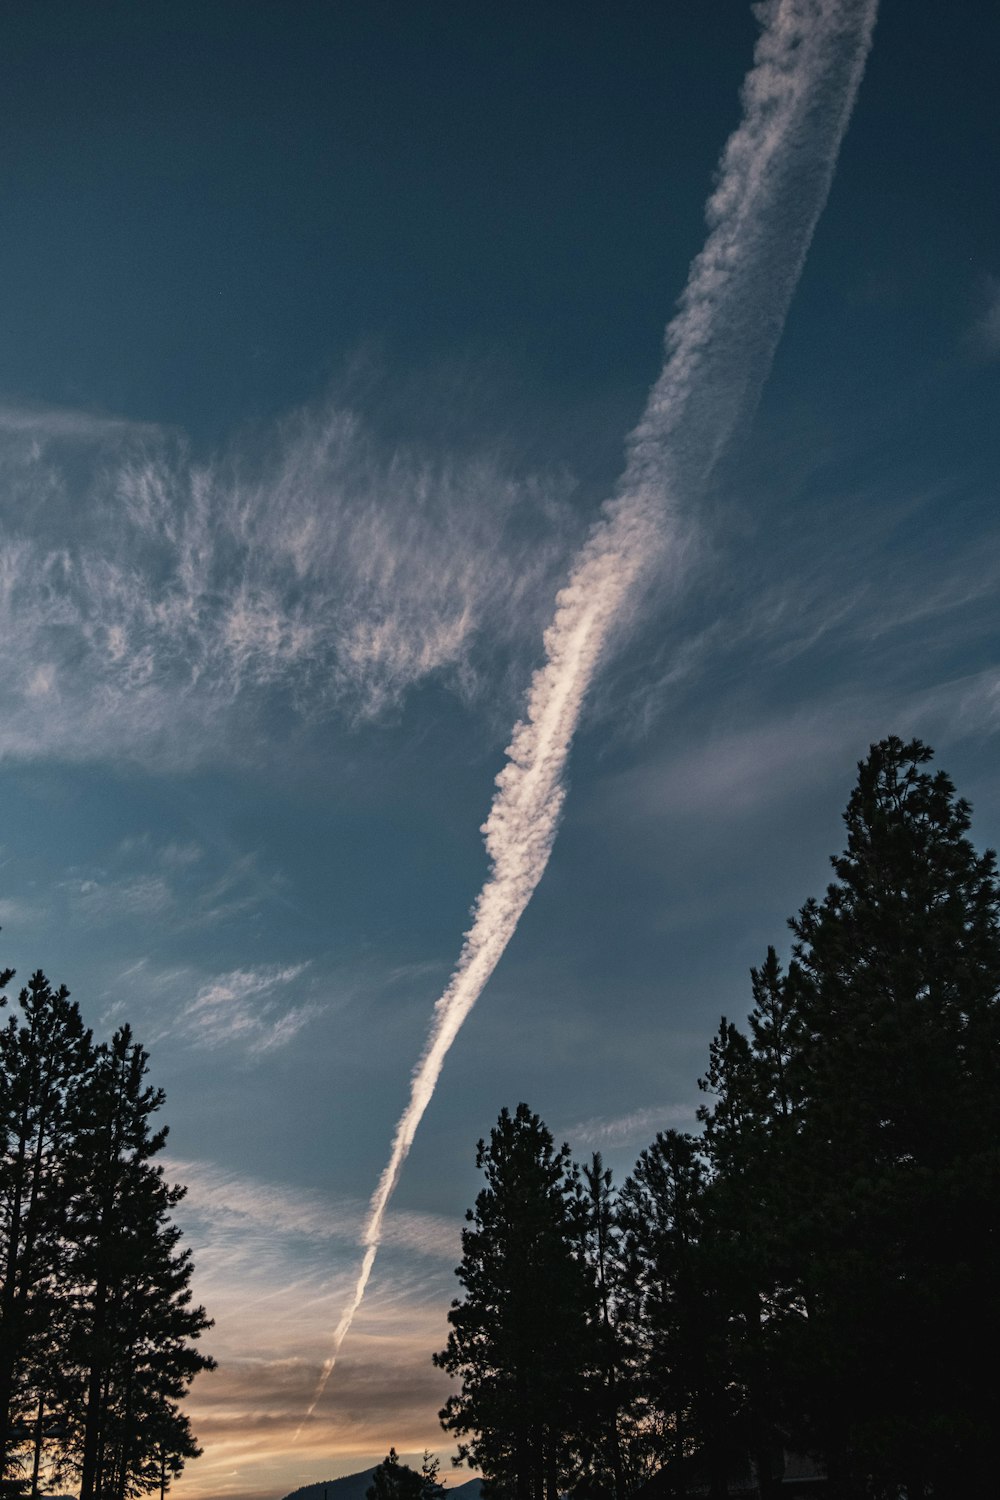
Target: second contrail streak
(772, 182)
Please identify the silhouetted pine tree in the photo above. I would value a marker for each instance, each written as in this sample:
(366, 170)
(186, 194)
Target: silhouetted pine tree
(894, 1076)
(745, 1210)
(680, 1321)
(44, 1052)
(608, 1425)
(522, 1340)
(393, 1480)
(134, 1330)
(852, 1146)
(431, 1487)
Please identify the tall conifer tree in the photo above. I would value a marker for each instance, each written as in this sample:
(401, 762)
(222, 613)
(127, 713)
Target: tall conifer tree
(522, 1340)
(613, 1452)
(44, 1052)
(135, 1329)
(896, 985)
(682, 1311)
(852, 1142)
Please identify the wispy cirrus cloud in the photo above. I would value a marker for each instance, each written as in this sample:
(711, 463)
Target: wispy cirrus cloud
(157, 606)
(223, 1201)
(173, 855)
(273, 1248)
(639, 1125)
(96, 901)
(985, 332)
(859, 593)
(250, 1011)
(246, 1414)
(247, 1007)
(741, 768)
(166, 881)
(16, 912)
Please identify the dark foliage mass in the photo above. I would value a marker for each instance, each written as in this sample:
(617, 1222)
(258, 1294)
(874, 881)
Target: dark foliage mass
(97, 1327)
(523, 1331)
(801, 1286)
(393, 1480)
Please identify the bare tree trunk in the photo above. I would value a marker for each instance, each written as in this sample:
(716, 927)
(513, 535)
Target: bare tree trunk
(10, 1310)
(92, 1420)
(37, 1461)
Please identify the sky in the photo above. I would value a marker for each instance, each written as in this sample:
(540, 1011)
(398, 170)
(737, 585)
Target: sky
(324, 332)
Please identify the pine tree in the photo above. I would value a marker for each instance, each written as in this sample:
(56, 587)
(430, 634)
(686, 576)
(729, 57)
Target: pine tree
(522, 1340)
(97, 1330)
(430, 1468)
(609, 1424)
(894, 1074)
(746, 1132)
(134, 1331)
(851, 1145)
(393, 1480)
(44, 1053)
(681, 1313)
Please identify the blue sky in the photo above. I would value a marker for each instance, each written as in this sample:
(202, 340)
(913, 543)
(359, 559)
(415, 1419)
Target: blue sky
(323, 331)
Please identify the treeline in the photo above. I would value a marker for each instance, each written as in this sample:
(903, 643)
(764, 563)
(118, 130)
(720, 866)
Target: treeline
(97, 1327)
(814, 1272)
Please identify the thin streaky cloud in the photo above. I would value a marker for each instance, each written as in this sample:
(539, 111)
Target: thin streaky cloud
(173, 855)
(267, 1247)
(967, 706)
(745, 768)
(245, 1007)
(18, 913)
(985, 333)
(627, 1130)
(251, 1011)
(226, 1200)
(825, 606)
(46, 424)
(738, 770)
(97, 901)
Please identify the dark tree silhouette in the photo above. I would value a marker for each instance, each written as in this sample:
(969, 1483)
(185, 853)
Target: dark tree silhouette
(685, 1311)
(747, 1134)
(610, 1454)
(44, 1052)
(97, 1330)
(852, 1147)
(393, 1480)
(135, 1329)
(523, 1338)
(894, 1075)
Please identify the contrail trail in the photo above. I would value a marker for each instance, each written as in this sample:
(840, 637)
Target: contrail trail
(772, 183)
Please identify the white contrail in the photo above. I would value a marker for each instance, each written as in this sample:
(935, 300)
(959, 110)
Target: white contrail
(773, 179)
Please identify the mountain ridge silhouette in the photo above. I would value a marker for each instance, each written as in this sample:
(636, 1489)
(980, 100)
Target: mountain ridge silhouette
(353, 1487)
